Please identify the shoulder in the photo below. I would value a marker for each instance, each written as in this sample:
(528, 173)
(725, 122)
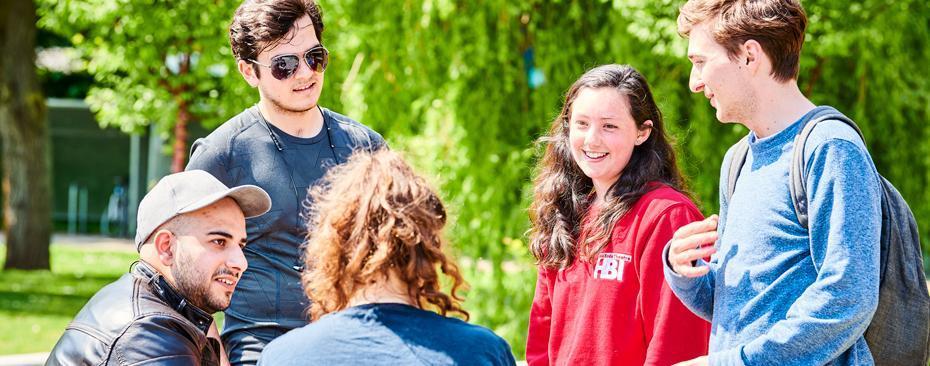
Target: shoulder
(658, 211)
(329, 327)
(474, 336)
(664, 199)
(225, 136)
(833, 131)
(111, 308)
(353, 129)
(166, 337)
(834, 145)
(333, 332)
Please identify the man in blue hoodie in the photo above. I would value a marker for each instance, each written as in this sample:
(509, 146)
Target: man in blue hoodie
(777, 292)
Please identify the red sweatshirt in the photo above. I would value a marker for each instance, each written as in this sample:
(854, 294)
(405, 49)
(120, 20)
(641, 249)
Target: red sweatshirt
(617, 309)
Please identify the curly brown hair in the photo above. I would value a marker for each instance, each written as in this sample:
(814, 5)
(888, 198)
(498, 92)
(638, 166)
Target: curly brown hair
(562, 192)
(371, 217)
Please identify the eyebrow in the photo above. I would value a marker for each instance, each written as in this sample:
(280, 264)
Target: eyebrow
(221, 233)
(226, 235)
(581, 115)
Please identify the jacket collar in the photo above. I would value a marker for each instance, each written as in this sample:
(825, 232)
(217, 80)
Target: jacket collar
(171, 296)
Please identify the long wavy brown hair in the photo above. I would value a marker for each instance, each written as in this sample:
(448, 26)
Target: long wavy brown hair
(562, 193)
(373, 216)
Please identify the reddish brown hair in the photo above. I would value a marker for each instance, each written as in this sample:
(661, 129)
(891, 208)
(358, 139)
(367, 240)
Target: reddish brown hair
(370, 217)
(778, 25)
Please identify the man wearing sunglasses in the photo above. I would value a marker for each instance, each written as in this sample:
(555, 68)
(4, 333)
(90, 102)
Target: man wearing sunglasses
(284, 144)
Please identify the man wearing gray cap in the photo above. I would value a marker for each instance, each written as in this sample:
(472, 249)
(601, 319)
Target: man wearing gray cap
(190, 234)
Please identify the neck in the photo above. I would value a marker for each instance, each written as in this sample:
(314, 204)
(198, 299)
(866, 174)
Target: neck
(389, 290)
(149, 256)
(600, 191)
(300, 124)
(777, 107)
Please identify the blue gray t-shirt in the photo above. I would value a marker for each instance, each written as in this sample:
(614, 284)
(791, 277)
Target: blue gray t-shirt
(388, 334)
(249, 150)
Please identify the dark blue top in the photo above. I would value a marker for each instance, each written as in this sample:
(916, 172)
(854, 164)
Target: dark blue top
(388, 334)
(249, 150)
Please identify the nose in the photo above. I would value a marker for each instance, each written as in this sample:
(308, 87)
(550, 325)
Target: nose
(694, 82)
(303, 69)
(592, 136)
(236, 260)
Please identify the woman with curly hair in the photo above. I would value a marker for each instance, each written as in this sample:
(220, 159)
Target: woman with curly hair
(373, 255)
(607, 198)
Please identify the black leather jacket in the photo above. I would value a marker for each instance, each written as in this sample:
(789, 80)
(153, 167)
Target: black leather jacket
(137, 320)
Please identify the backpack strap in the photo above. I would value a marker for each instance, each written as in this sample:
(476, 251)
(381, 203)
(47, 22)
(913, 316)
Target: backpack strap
(740, 151)
(798, 171)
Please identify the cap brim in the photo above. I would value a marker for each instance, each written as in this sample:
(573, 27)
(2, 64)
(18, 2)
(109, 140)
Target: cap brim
(253, 200)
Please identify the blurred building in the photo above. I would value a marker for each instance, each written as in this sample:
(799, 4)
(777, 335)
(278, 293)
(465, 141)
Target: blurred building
(99, 175)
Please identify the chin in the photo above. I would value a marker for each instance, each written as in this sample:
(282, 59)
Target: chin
(302, 107)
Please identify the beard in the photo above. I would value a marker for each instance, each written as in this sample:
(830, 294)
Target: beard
(194, 284)
(280, 107)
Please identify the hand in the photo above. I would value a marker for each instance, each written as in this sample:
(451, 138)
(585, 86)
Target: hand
(700, 361)
(691, 242)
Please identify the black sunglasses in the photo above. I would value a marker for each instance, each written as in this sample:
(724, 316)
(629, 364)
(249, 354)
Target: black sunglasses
(284, 66)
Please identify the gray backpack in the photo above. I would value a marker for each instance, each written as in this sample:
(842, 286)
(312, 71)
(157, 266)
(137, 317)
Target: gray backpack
(899, 333)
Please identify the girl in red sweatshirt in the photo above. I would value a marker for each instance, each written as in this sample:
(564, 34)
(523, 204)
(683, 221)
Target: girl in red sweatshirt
(606, 201)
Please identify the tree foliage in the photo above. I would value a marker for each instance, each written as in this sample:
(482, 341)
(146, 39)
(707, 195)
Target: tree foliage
(457, 86)
(448, 82)
(154, 62)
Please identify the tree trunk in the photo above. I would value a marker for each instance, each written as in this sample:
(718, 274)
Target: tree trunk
(179, 152)
(180, 138)
(24, 136)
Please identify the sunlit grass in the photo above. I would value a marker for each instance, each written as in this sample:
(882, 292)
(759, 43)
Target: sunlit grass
(35, 306)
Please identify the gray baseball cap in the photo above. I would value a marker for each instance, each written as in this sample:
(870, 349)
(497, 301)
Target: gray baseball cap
(190, 191)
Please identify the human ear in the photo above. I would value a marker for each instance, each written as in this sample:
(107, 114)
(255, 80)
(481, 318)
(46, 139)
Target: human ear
(247, 69)
(752, 54)
(645, 130)
(164, 246)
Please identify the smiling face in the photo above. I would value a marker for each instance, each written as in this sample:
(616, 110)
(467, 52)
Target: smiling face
(603, 134)
(208, 258)
(301, 91)
(724, 81)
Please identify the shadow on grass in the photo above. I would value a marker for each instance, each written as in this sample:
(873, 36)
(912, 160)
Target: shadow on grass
(46, 293)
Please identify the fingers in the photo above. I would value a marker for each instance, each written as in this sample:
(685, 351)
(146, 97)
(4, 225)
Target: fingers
(697, 227)
(690, 243)
(691, 271)
(689, 256)
(693, 241)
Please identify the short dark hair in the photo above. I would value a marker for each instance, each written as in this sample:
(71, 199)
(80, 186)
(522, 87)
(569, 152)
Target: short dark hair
(260, 24)
(778, 26)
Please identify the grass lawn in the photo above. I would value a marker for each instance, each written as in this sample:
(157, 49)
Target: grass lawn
(35, 306)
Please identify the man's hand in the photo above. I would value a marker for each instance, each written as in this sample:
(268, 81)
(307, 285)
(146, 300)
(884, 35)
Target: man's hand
(691, 242)
(700, 361)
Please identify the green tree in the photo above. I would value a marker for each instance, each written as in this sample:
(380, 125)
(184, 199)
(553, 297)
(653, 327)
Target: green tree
(457, 86)
(450, 79)
(24, 138)
(157, 62)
